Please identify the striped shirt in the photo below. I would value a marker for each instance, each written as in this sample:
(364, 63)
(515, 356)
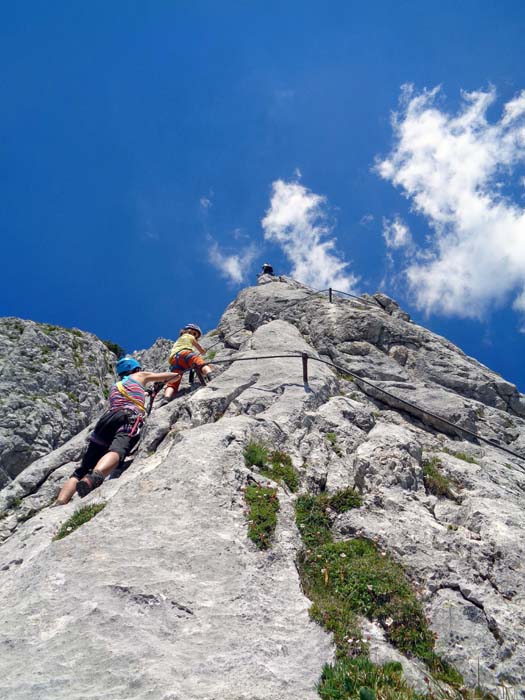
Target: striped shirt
(118, 401)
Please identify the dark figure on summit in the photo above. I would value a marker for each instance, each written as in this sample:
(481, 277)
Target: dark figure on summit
(117, 430)
(267, 269)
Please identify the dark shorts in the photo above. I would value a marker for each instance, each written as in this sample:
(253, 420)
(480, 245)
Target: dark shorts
(116, 431)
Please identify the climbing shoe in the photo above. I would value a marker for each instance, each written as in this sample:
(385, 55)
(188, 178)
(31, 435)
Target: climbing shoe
(90, 482)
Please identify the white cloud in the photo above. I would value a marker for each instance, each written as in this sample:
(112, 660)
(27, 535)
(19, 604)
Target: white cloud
(366, 220)
(519, 302)
(296, 220)
(239, 235)
(453, 169)
(396, 233)
(205, 202)
(234, 268)
(519, 305)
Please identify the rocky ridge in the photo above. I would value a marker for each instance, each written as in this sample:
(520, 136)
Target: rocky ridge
(163, 596)
(53, 382)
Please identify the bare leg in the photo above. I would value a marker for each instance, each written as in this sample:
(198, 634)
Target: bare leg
(93, 453)
(172, 387)
(94, 479)
(107, 463)
(67, 491)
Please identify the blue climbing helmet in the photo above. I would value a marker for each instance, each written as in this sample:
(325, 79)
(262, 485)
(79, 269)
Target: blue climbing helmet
(127, 365)
(192, 327)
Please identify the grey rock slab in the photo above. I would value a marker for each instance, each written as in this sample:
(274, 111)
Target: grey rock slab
(366, 360)
(390, 457)
(462, 638)
(471, 550)
(424, 356)
(166, 592)
(330, 462)
(272, 388)
(382, 652)
(155, 358)
(255, 306)
(36, 474)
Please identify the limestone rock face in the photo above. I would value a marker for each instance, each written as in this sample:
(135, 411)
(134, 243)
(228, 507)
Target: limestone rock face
(53, 382)
(155, 358)
(163, 596)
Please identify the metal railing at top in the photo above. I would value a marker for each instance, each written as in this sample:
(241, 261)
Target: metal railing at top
(361, 383)
(332, 295)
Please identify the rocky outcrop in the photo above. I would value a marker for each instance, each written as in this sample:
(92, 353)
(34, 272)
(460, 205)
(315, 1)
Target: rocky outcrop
(53, 382)
(163, 595)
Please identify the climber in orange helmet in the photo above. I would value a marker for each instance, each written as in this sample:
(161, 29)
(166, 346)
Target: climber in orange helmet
(185, 355)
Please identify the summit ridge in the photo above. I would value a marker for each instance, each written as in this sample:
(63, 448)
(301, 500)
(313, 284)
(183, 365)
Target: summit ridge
(162, 595)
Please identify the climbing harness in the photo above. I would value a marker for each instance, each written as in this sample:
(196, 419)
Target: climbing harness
(152, 392)
(122, 390)
(179, 362)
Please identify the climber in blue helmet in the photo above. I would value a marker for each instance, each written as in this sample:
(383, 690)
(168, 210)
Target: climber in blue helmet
(117, 430)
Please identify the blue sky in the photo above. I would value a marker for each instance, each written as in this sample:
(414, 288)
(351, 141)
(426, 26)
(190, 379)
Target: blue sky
(155, 154)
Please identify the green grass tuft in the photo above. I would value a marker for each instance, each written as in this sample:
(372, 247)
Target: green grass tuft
(311, 516)
(332, 439)
(281, 469)
(81, 516)
(49, 328)
(115, 348)
(364, 581)
(78, 360)
(461, 455)
(262, 518)
(210, 355)
(436, 482)
(255, 455)
(343, 623)
(361, 679)
(346, 580)
(344, 500)
(275, 465)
